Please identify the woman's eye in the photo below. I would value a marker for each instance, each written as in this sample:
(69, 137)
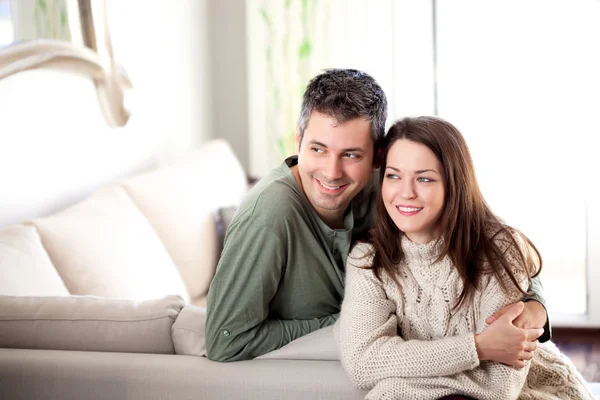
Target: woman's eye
(391, 176)
(423, 179)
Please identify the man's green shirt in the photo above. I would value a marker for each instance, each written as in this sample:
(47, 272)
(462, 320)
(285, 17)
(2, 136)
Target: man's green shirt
(281, 272)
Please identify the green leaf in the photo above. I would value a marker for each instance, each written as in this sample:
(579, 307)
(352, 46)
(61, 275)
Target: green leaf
(42, 5)
(301, 91)
(265, 16)
(290, 141)
(305, 48)
(63, 18)
(287, 144)
(281, 147)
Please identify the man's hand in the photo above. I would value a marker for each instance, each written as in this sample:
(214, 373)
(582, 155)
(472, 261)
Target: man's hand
(503, 342)
(533, 316)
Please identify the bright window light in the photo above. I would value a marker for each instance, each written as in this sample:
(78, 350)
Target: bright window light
(521, 82)
(6, 32)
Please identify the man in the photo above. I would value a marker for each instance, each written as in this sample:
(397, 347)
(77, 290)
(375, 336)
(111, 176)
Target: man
(281, 272)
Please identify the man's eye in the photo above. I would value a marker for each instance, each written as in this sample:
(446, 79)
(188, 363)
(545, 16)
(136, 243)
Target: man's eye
(317, 149)
(352, 156)
(392, 176)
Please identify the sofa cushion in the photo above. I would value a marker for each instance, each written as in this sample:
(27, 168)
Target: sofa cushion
(180, 202)
(74, 375)
(189, 339)
(188, 331)
(25, 268)
(105, 247)
(317, 345)
(88, 323)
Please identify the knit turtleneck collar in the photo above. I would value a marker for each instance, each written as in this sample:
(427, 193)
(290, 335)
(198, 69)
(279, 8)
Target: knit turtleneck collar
(426, 253)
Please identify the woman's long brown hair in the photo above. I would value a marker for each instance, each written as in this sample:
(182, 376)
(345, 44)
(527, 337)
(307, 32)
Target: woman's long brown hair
(475, 239)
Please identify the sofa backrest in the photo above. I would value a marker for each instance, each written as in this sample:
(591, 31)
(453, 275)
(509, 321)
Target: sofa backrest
(181, 202)
(104, 246)
(145, 237)
(25, 267)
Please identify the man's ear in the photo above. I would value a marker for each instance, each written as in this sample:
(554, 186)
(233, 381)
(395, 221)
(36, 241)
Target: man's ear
(377, 159)
(298, 139)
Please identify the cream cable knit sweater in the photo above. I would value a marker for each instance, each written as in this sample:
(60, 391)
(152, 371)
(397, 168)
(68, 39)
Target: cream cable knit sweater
(406, 342)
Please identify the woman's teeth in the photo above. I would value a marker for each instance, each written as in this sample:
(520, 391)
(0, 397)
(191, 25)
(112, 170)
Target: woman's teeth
(409, 209)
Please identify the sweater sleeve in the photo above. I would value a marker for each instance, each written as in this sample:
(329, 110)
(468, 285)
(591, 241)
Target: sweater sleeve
(375, 356)
(491, 380)
(238, 326)
(370, 348)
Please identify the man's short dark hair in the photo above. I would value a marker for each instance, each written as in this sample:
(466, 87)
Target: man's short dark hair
(345, 94)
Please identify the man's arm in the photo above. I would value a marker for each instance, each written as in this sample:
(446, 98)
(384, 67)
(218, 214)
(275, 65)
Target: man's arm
(247, 278)
(537, 314)
(534, 313)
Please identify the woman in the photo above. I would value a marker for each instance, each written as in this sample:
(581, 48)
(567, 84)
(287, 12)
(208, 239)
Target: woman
(437, 263)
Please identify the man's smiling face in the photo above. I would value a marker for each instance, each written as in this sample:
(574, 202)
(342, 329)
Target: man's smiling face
(335, 162)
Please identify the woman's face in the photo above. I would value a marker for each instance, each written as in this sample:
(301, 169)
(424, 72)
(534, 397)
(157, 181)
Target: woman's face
(413, 190)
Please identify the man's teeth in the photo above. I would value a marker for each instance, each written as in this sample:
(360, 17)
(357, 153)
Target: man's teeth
(409, 209)
(330, 187)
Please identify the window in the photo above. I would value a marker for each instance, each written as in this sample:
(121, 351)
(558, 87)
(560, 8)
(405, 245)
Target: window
(521, 81)
(6, 26)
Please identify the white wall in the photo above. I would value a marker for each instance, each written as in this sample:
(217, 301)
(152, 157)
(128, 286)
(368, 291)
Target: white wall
(165, 47)
(229, 74)
(55, 147)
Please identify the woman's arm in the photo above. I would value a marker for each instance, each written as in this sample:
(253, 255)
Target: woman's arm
(490, 380)
(374, 355)
(370, 347)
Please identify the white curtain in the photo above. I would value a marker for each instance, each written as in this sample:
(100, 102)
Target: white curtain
(291, 41)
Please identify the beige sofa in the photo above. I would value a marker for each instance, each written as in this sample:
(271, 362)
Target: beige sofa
(105, 299)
